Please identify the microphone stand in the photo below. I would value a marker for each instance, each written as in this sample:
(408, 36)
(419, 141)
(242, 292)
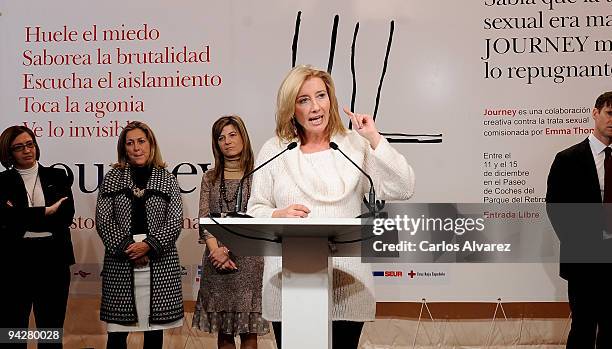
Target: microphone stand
(372, 205)
(237, 209)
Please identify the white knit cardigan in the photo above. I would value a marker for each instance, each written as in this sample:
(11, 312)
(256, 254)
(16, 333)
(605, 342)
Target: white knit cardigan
(293, 179)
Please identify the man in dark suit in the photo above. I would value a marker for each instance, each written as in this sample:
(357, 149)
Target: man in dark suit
(580, 180)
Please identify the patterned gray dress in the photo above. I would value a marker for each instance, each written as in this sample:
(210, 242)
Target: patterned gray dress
(229, 303)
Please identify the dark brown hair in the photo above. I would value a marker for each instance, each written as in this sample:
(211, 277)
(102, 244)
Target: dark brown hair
(246, 156)
(6, 140)
(605, 100)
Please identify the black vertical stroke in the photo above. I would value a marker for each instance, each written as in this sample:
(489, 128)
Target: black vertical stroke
(354, 91)
(332, 45)
(296, 35)
(382, 76)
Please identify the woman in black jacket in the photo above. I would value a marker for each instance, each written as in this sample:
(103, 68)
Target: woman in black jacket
(36, 211)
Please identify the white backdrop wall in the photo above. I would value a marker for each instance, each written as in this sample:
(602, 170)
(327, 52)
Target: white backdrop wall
(439, 80)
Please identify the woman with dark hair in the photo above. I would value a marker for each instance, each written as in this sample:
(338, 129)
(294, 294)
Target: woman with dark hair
(36, 211)
(229, 300)
(139, 217)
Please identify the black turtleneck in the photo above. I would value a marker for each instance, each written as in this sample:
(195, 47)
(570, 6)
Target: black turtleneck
(140, 177)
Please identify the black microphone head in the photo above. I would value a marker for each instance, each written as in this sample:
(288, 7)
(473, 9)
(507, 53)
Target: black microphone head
(333, 145)
(291, 145)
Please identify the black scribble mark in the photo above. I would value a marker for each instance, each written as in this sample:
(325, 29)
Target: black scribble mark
(384, 70)
(394, 137)
(412, 138)
(332, 45)
(411, 135)
(354, 90)
(296, 34)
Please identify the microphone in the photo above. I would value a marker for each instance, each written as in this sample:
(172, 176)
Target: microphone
(372, 194)
(240, 185)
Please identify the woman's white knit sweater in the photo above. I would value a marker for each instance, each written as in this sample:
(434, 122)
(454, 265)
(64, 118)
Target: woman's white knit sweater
(330, 186)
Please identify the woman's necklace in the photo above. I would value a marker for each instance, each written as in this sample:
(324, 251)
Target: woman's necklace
(139, 193)
(230, 202)
(31, 197)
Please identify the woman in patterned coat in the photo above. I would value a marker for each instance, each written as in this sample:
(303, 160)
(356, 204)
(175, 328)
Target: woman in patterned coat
(139, 218)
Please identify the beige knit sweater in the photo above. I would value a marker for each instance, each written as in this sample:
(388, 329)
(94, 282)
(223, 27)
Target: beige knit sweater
(330, 186)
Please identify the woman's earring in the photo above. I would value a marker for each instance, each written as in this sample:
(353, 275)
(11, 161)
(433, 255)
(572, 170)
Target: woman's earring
(294, 127)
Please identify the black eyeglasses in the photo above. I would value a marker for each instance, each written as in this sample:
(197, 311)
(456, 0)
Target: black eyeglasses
(21, 147)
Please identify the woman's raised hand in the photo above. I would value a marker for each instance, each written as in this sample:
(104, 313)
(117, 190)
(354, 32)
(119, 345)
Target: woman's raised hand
(365, 126)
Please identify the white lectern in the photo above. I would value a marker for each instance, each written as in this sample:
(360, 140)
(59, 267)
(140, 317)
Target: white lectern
(307, 268)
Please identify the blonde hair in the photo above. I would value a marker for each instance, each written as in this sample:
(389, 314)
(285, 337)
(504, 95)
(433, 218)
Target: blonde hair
(287, 128)
(155, 157)
(246, 156)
